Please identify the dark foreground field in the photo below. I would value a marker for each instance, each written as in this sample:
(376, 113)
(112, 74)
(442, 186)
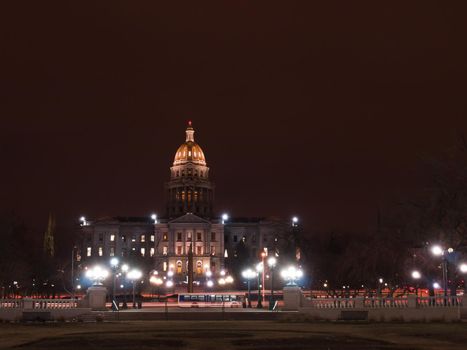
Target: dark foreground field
(241, 335)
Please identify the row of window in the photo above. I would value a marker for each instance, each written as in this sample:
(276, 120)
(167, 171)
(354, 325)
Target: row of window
(189, 173)
(198, 250)
(199, 236)
(199, 268)
(142, 238)
(244, 239)
(100, 251)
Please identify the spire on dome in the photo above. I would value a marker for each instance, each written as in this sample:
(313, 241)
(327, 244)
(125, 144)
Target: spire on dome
(190, 132)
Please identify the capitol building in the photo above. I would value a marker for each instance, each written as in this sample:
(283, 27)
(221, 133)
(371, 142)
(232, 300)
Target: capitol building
(163, 243)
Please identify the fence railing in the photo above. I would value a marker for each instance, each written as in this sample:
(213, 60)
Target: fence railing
(11, 303)
(378, 303)
(440, 301)
(42, 304)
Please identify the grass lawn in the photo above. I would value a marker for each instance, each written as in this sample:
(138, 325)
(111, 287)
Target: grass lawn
(241, 335)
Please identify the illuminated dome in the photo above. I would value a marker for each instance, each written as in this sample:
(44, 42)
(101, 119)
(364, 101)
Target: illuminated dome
(189, 151)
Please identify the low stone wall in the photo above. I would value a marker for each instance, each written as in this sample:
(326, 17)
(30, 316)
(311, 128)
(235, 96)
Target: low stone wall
(387, 315)
(408, 309)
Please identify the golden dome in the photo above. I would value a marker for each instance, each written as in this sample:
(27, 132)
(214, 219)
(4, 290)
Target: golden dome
(189, 151)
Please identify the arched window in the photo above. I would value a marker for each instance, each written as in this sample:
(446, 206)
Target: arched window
(199, 267)
(179, 267)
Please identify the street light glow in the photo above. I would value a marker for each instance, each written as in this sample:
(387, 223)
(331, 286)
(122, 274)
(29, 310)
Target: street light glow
(416, 275)
(291, 274)
(155, 280)
(463, 268)
(436, 285)
(125, 267)
(134, 274)
(437, 250)
(210, 283)
(248, 274)
(114, 262)
(169, 283)
(97, 274)
(272, 261)
(154, 217)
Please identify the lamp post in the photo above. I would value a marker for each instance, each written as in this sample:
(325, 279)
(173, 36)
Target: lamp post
(463, 269)
(272, 264)
(156, 281)
(439, 251)
(114, 264)
(259, 271)
(248, 274)
(97, 275)
(416, 275)
(263, 256)
(134, 275)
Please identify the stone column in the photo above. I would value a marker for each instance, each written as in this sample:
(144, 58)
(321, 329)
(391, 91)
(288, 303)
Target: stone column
(292, 298)
(96, 297)
(412, 301)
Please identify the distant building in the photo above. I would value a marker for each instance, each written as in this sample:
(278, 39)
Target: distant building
(189, 223)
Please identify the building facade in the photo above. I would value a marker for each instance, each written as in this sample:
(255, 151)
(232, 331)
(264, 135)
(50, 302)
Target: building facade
(189, 223)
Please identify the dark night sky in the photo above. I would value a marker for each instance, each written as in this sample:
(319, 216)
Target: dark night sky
(322, 110)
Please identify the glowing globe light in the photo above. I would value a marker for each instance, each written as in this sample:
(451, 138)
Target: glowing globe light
(436, 285)
(97, 274)
(272, 261)
(291, 274)
(210, 284)
(114, 262)
(169, 284)
(229, 279)
(416, 275)
(437, 250)
(463, 268)
(248, 274)
(134, 275)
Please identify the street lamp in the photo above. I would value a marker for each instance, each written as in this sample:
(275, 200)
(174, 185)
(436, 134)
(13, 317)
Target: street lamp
(260, 271)
(114, 264)
(83, 221)
(154, 218)
(272, 261)
(295, 221)
(225, 217)
(416, 275)
(134, 275)
(97, 274)
(157, 281)
(439, 251)
(292, 274)
(248, 274)
(463, 269)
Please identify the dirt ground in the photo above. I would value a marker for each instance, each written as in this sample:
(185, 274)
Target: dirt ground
(239, 335)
